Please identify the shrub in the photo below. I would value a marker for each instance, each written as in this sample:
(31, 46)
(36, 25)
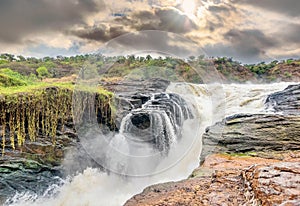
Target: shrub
(289, 61)
(42, 72)
(11, 78)
(287, 74)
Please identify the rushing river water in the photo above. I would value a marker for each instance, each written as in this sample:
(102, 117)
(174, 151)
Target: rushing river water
(207, 105)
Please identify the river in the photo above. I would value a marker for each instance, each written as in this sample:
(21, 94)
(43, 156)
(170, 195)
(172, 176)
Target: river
(209, 103)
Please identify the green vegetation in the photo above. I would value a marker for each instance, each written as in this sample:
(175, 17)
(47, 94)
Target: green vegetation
(31, 108)
(42, 72)
(9, 78)
(120, 66)
(261, 68)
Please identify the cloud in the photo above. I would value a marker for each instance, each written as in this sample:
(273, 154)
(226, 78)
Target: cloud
(289, 33)
(163, 19)
(287, 7)
(19, 19)
(249, 39)
(173, 21)
(152, 41)
(244, 45)
(248, 30)
(43, 50)
(101, 33)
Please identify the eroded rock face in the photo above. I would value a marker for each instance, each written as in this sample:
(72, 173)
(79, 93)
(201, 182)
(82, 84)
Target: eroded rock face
(132, 94)
(276, 184)
(264, 133)
(34, 166)
(20, 175)
(286, 101)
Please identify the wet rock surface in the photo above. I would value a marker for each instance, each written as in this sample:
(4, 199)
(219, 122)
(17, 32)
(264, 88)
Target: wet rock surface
(20, 175)
(34, 166)
(132, 94)
(286, 101)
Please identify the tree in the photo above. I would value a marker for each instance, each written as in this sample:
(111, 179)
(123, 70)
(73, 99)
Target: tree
(192, 58)
(148, 57)
(8, 57)
(21, 58)
(42, 72)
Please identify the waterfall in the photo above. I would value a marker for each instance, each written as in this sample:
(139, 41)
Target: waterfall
(162, 139)
(146, 135)
(158, 122)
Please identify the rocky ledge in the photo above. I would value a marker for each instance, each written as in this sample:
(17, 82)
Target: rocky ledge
(247, 159)
(231, 180)
(261, 134)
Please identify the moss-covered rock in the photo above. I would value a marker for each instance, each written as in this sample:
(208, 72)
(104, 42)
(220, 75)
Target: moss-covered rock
(40, 112)
(37, 128)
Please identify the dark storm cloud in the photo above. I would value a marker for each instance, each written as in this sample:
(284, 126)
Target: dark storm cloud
(220, 8)
(244, 45)
(19, 18)
(288, 7)
(221, 13)
(163, 19)
(100, 33)
(243, 38)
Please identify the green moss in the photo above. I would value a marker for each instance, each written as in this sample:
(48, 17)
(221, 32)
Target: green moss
(201, 172)
(29, 111)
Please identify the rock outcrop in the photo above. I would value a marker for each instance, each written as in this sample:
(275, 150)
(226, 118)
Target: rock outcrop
(286, 101)
(132, 94)
(18, 175)
(263, 134)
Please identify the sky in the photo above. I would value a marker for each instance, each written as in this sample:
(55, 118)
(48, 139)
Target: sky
(248, 30)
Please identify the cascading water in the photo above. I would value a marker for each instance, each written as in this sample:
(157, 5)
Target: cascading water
(146, 135)
(177, 134)
(159, 122)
